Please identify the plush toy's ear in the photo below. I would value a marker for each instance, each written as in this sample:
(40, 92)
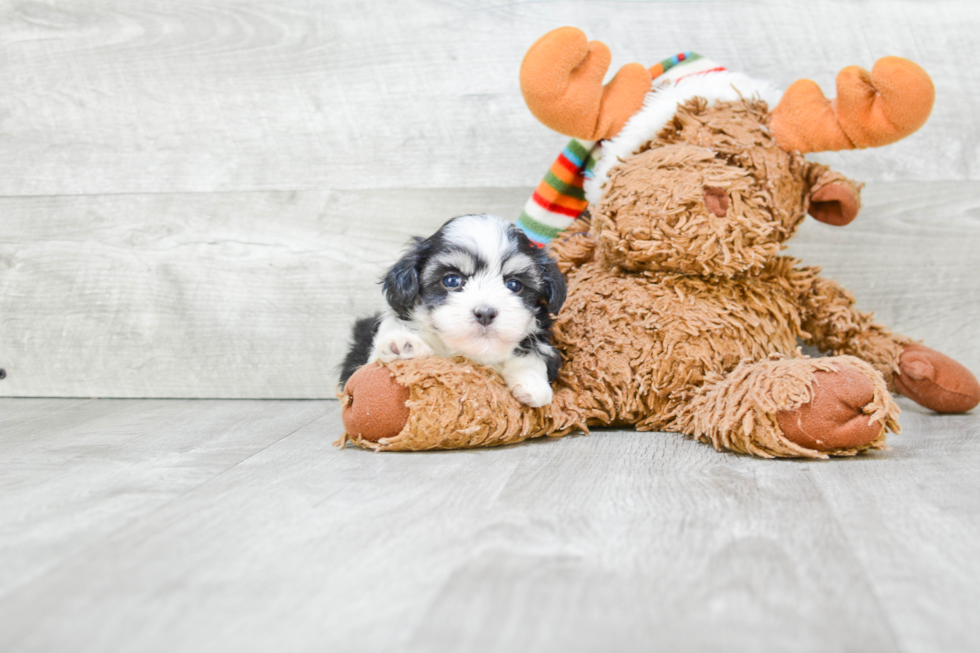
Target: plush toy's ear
(834, 199)
(554, 281)
(401, 282)
(836, 204)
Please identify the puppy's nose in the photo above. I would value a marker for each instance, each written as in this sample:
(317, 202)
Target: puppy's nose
(485, 314)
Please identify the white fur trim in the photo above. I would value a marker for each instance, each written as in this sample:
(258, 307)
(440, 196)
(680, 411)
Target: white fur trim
(659, 107)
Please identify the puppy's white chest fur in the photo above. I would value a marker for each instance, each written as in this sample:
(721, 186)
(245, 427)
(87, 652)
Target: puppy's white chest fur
(525, 375)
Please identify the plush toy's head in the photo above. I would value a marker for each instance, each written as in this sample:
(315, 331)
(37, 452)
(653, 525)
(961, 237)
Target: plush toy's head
(695, 174)
(712, 194)
(701, 200)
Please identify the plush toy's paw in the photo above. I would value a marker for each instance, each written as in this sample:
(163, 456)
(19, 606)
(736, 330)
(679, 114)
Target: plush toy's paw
(374, 404)
(835, 418)
(402, 345)
(936, 381)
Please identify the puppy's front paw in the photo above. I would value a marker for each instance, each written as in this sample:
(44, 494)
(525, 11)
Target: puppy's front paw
(531, 390)
(401, 345)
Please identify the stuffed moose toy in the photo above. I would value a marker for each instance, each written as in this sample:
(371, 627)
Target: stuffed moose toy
(667, 213)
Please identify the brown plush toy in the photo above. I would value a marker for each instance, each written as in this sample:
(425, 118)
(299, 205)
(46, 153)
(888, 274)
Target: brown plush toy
(681, 314)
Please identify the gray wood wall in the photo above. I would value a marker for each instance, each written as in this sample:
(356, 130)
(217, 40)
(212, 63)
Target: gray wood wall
(197, 198)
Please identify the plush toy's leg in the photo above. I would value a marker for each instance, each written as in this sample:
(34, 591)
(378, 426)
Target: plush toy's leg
(434, 403)
(924, 375)
(796, 407)
(936, 381)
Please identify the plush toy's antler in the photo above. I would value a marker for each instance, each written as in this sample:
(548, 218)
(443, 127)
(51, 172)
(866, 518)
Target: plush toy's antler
(871, 109)
(561, 78)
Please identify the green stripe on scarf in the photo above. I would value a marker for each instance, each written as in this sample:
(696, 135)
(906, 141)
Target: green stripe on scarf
(537, 227)
(568, 190)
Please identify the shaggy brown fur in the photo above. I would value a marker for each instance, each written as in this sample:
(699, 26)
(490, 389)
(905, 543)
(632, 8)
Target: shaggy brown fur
(456, 404)
(681, 314)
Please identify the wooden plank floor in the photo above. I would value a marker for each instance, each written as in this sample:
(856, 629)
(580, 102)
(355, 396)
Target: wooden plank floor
(156, 525)
(198, 198)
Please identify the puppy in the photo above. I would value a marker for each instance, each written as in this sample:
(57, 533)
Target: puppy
(476, 288)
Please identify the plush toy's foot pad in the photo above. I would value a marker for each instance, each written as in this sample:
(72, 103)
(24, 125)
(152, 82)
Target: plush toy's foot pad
(835, 418)
(936, 381)
(374, 404)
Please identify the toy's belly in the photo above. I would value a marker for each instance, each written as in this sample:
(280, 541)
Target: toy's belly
(631, 341)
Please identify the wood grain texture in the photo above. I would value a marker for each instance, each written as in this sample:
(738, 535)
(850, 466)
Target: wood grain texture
(914, 533)
(75, 471)
(253, 294)
(618, 541)
(201, 295)
(198, 198)
(104, 96)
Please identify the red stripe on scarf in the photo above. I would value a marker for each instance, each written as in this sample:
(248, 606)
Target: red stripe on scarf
(555, 208)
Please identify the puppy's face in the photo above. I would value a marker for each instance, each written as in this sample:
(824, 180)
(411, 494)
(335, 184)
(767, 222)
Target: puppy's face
(479, 285)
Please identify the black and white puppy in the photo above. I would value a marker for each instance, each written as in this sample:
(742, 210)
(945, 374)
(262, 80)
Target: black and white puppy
(476, 288)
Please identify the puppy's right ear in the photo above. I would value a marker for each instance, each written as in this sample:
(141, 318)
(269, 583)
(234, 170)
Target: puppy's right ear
(554, 282)
(401, 282)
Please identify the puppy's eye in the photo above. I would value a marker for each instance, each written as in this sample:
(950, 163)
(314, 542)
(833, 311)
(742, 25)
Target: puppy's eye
(452, 281)
(514, 285)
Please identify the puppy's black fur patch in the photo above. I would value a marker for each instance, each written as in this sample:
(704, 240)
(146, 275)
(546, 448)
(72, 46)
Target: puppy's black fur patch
(545, 303)
(401, 283)
(362, 340)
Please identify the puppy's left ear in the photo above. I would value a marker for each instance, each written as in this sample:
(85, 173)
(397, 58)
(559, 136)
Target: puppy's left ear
(554, 284)
(401, 282)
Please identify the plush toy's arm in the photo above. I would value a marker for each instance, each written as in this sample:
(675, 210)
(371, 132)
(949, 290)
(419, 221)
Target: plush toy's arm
(926, 376)
(438, 403)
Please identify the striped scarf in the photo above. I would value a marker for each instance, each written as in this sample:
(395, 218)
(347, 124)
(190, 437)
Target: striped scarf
(559, 198)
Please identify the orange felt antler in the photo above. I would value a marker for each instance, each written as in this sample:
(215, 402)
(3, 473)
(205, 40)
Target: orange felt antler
(871, 109)
(561, 78)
